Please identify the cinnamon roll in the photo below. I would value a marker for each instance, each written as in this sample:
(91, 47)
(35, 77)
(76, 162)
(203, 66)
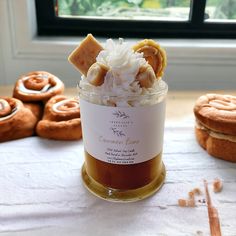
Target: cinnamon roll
(36, 108)
(216, 125)
(16, 121)
(61, 119)
(37, 86)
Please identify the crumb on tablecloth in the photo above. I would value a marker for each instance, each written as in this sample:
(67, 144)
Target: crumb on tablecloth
(217, 185)
(190, 202)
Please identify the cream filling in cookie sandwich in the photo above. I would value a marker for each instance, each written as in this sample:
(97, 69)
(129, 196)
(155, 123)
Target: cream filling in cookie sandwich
(214, 134)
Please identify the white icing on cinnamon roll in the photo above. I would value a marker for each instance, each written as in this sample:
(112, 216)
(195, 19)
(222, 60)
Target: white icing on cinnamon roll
(65, 105)
(37, 86)
(7, 110)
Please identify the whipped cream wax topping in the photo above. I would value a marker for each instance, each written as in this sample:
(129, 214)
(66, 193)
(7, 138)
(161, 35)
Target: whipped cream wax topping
(124, 65)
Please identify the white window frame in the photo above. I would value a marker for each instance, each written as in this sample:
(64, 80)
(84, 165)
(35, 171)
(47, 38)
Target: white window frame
(192, 63)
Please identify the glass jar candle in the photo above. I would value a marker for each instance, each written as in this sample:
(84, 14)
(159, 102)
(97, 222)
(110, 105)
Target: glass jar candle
(123, 141)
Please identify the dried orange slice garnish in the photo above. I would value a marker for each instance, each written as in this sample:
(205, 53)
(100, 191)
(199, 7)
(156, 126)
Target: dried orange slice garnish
(154, 55)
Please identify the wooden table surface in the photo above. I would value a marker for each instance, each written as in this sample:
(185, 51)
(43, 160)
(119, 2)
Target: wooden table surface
(41, 192)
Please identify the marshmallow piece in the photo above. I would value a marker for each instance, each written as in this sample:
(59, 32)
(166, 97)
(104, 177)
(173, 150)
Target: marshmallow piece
(146, 76)
(96, 74)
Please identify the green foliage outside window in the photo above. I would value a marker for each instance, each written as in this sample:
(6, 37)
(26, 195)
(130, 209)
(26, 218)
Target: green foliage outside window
(99, 7)
(222, 9)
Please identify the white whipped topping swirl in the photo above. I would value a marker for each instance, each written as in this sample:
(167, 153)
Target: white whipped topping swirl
(123, 64)
(120, 80)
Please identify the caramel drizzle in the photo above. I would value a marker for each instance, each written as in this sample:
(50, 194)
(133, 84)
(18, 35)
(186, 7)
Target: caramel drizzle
(213, 216)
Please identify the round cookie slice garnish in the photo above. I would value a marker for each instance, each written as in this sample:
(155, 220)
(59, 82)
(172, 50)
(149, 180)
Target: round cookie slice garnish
(153, 54)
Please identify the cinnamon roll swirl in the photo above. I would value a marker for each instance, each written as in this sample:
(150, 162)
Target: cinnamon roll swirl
(37, 86)
(216, 125)
(61, 119)
(16, 121)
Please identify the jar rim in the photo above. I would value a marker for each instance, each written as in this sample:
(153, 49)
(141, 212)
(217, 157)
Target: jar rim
(162, 90)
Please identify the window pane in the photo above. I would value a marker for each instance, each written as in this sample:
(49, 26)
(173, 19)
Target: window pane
(167, 10)
(221, 10)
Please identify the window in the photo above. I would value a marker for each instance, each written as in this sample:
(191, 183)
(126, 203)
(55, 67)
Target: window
(138, 18)
(125, 9)
(221, 11)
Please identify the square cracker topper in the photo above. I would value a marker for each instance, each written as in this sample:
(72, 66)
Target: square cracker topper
(85, 54)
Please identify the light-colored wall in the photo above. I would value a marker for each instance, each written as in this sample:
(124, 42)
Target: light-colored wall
(3, 17)
(21, 51)
(192, 64)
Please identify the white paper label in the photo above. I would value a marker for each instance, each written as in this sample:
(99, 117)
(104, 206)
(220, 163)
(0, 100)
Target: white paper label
(122, 135)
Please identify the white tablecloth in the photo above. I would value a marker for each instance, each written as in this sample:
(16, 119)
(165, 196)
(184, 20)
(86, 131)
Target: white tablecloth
(41, 192)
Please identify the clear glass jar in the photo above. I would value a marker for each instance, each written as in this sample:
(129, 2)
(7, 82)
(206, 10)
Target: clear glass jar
(123, 140)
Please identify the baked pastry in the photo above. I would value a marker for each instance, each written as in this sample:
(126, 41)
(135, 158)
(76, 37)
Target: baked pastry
(16, 121)
(216, 125)
(36, 108)
(37, 86)
(61, 119)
